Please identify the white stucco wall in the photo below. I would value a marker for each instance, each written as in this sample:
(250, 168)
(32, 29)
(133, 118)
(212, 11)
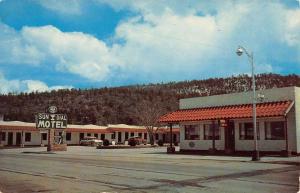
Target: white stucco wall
(200, 144)
(74, 138)
(276, 94)
(297, 117)
(35, 137)
(263, 144)
(242, 145)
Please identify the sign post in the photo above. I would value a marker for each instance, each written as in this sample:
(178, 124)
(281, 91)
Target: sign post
(51, 121)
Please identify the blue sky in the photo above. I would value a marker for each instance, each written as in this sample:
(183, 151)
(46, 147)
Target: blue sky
(52, 44)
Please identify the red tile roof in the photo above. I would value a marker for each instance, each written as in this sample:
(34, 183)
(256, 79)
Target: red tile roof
(23, 128)
(270, 109)
(87, 130)
(114, 129)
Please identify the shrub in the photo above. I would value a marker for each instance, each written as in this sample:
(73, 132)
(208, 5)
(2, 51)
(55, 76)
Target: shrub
(160, 142)
(132, 142)
(106, 142)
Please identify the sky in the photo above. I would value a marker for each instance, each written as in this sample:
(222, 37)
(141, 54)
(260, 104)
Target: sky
(55, 44)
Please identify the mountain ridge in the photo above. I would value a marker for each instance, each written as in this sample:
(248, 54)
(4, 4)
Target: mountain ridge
(130, 104)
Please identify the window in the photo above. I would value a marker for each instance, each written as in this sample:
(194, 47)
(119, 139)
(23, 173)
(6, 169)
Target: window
(126, 135)
(3, 135)
(44, 136)
(102, 136)
(192, 132)
(247, 132)
(209, 132)
(140, 135)
(88, 134)
(274, 130)
(131, 134)
(96, 135)
(81, 136)
(145, 135)
(27, 137)
(68, 136)
(113, 135)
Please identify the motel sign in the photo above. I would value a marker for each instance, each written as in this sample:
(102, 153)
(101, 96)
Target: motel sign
(51, 121)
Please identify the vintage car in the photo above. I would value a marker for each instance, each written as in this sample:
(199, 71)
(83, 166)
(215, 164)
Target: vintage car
(138, 140)
(91, 141)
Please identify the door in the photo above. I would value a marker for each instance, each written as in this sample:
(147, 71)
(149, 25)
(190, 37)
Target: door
(81, 136)
(18, 138)
(10, 136)
(229, 137)
(164, 138)
(174, 138)
(119, 137)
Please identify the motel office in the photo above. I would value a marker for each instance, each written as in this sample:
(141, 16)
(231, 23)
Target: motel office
(223, 123)
(16, 133)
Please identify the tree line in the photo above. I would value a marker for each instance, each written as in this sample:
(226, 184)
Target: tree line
(129, 104)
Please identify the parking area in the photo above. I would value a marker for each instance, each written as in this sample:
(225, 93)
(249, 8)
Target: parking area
(87, 169)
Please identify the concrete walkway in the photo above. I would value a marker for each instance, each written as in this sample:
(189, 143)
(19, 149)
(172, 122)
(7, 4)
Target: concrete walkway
(159, 152)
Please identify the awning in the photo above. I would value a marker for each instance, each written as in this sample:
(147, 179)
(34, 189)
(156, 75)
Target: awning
(269, 109)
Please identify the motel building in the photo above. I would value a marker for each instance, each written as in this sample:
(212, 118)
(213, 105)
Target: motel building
(16, 133)
(224, 123)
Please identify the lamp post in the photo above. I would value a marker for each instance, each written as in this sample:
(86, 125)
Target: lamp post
(239, 52)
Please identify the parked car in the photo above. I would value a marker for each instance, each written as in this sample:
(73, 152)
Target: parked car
(91, 141)
(138, 140)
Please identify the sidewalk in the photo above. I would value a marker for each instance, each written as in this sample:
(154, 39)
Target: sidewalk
(293, 160)
(266, 159)
(158, 152)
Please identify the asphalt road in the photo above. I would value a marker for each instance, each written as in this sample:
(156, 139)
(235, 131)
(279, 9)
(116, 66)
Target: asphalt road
(86, 169)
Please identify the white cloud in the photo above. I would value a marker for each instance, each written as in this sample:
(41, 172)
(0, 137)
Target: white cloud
(8, 86)
(167, 40)
(172, 44)
(292, 26)
(16, 86)
(166, 44)
(179, 7)
(72, 7)
(73, 52)
(13, 49)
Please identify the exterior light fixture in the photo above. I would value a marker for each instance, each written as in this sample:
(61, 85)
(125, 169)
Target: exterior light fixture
(239, 52)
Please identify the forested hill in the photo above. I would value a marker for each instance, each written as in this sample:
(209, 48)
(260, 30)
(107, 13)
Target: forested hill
(129, 104)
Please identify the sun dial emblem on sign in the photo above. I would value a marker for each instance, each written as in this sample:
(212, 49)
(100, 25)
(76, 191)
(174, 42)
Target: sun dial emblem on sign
(52, 109)
(51, 120)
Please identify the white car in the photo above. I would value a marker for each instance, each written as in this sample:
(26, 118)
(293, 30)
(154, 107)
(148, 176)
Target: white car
(91, 141)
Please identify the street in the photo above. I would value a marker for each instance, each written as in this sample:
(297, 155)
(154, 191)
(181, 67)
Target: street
(87, 169)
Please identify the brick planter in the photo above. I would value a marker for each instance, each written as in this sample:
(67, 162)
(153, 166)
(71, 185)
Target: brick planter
(170, 149)
(57, 147)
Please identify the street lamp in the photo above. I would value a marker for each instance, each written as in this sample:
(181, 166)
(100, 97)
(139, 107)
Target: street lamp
(239, 52)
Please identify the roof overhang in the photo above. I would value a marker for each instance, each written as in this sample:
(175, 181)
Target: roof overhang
(268, 109)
